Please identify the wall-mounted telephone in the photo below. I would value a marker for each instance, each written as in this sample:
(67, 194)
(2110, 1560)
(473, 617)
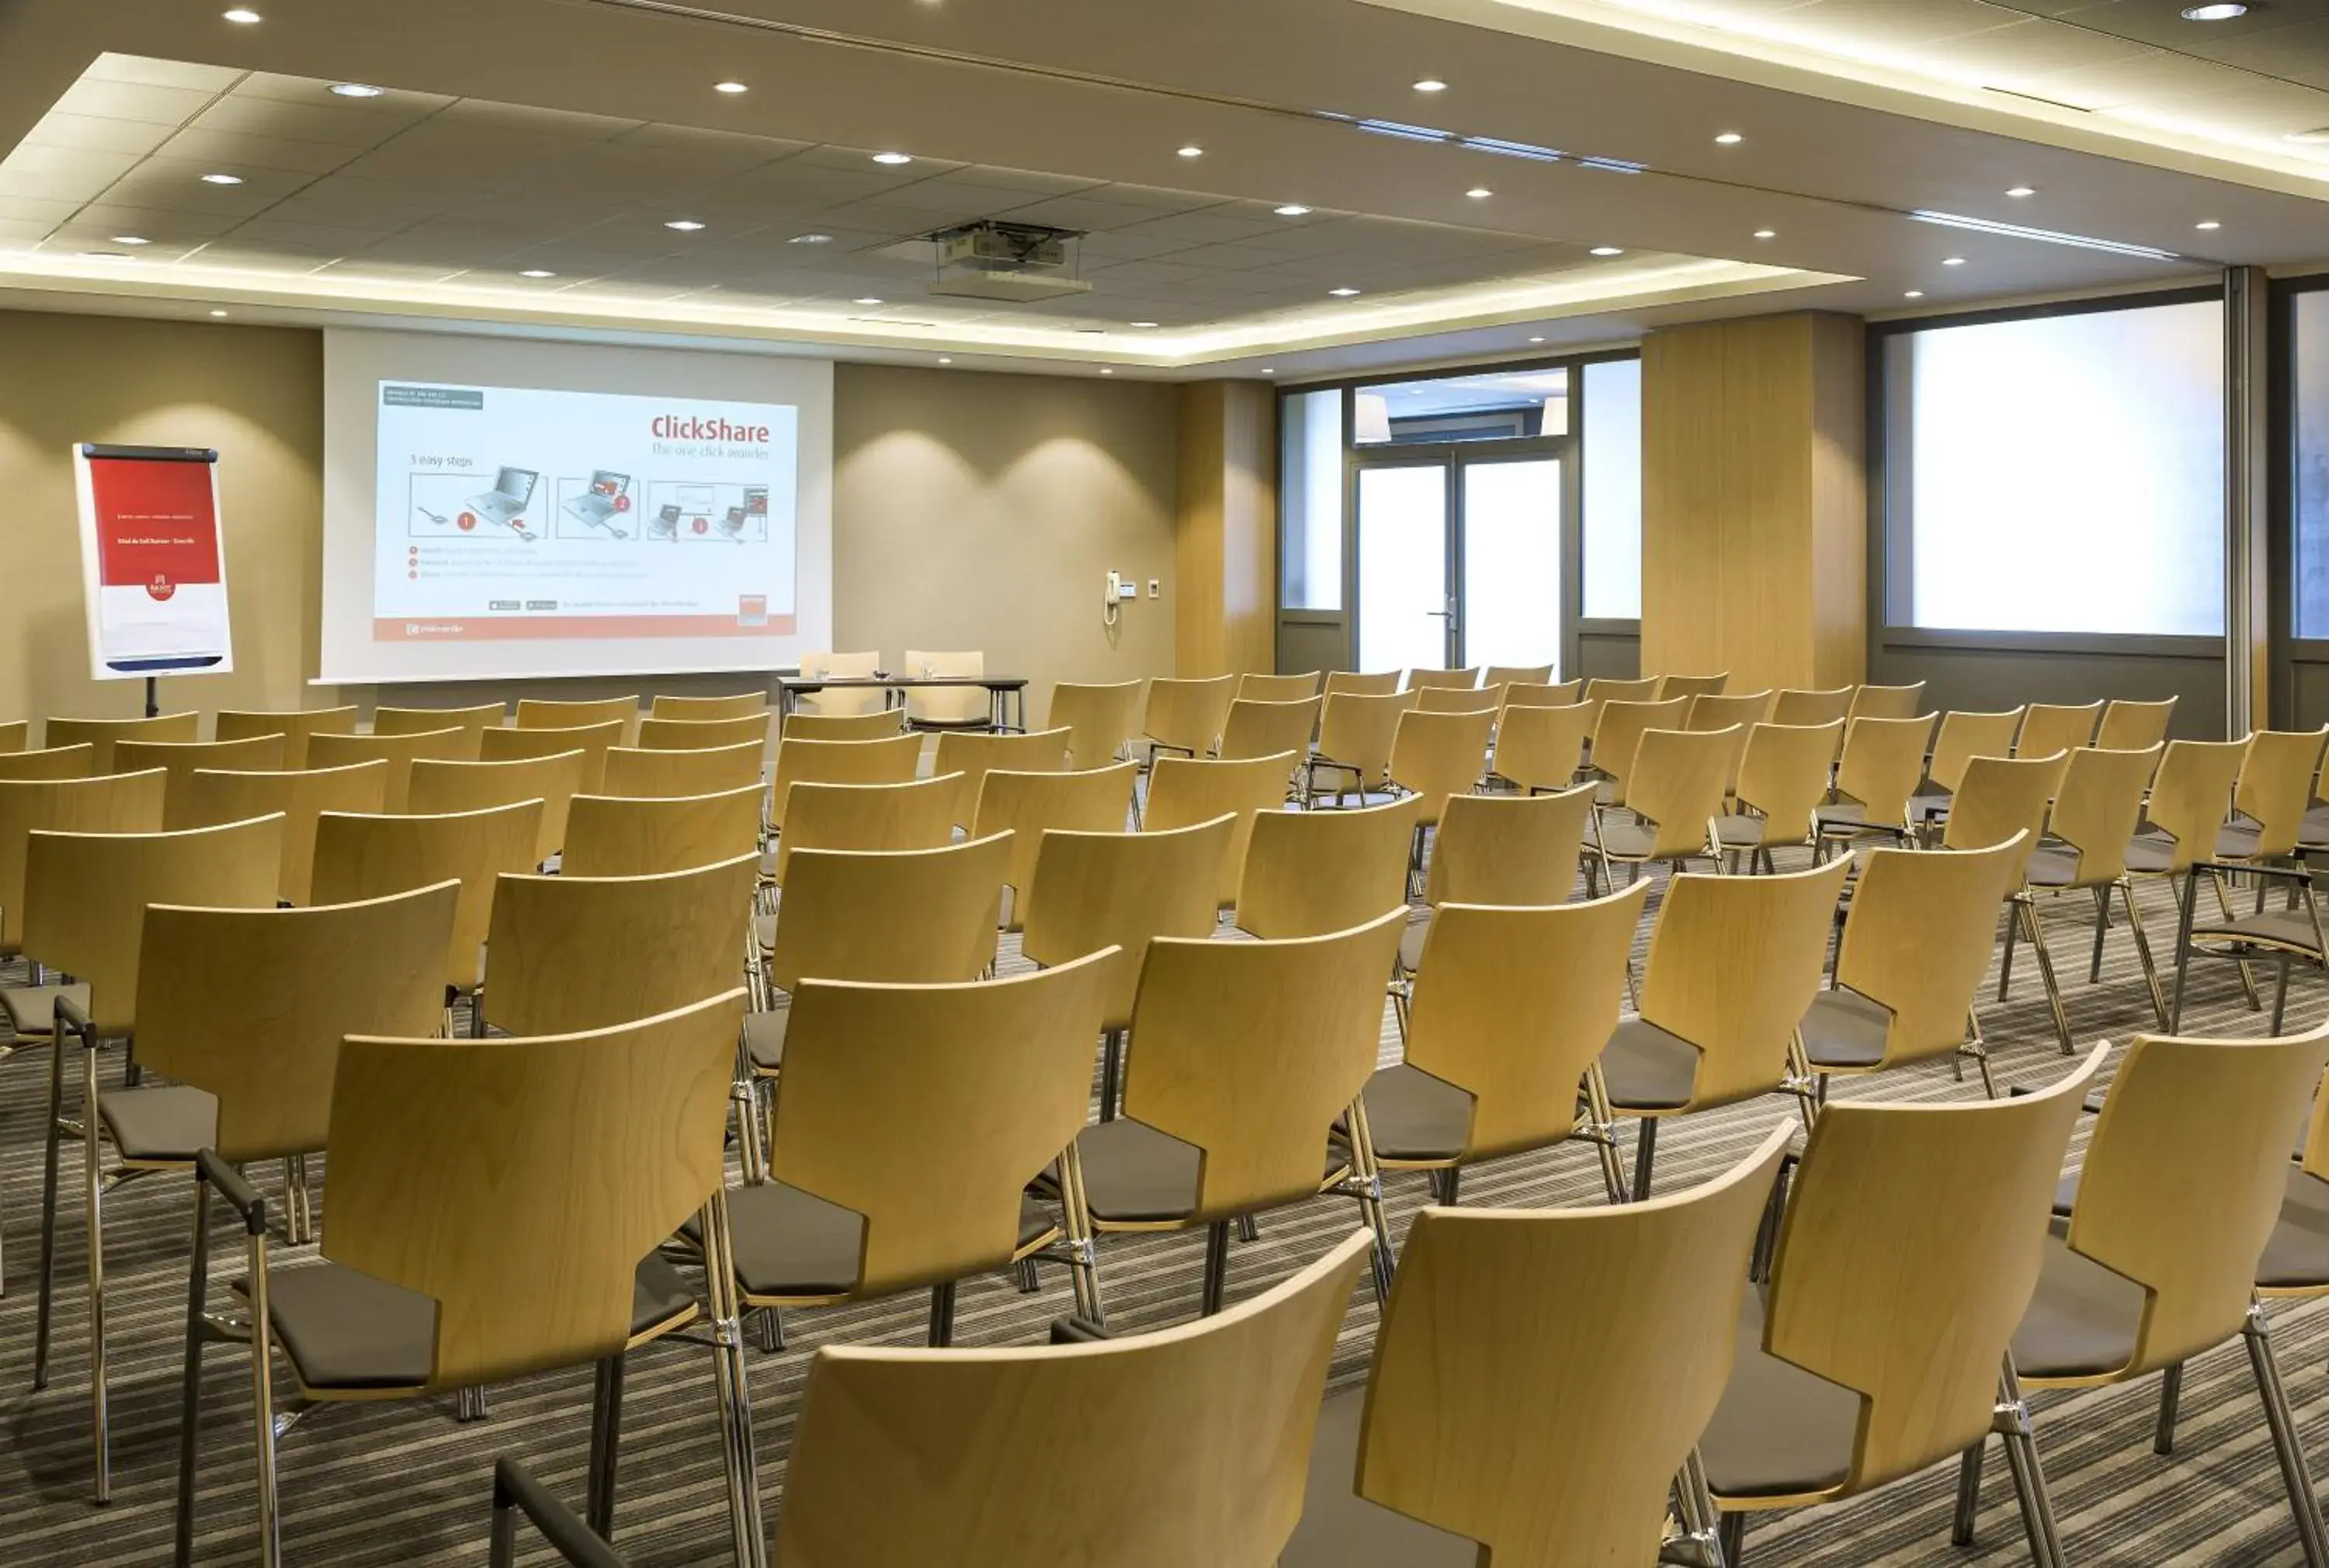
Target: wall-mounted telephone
(1119, 588)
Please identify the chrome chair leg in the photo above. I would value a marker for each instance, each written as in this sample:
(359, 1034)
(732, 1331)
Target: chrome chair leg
(2224, 907)
(2036, 931)
(93, 1200)
(605, 1443)
(1217, 1267)
(2303, 1500)
(2171, 1391)
(1083, 1247)
(743, 1463)
(1968, 1503)
(2020, 1443)
(2102, 926)
(941, 1333)
(2005, 959)
(1646, 1149)
(2143, 951)
(1613, 1180)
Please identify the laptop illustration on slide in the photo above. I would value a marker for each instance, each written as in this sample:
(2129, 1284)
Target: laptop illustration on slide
(510, 496)
(600, 502)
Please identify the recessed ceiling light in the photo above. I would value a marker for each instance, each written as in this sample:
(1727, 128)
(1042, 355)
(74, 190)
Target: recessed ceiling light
(685, 225)
(729, 86)
(893, 157)
(1953, 261)
(2020, 191)
(1767, 233)
(1106, 371)
(1729, 139)
(1343, 293)
(218, 312)
(356, 90)
(537, 272)
(103, 256)
(2223, 12)
(221, 179)
(1431, 84)
(131, 239)
(1914, 294)
(1479, 192)
(810, 240)
(1191, 151)
(944, 360)
(1270, 370)
(1536, 340)
(242, 16)
(2210, 223)
(866, 299)
(1608, 251)
(1293, 210)
(1143, 323)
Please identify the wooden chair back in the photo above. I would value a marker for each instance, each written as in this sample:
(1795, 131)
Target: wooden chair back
(864, 762)
(1508, 849)
(1509, 675)
(1268, 729)
(1512, 1005)
(1604, 689)
(1882, 761)
(1540, 749)
(1434, 755)
(928, 1109)
(1355, 683)
(895, 916)
(399, 752)
(1618, 732)
(1678, 780)
(729, 705)
(1185, 791)
(585, 953)
(179, 758)
(1783, 773)
(426, 720)
(2097, 807)
(920, 815)
(702, 734)
(1188, 1445)
(99, 734)
(1714, 710)
(1458, 699)
(15, 736)
(323, 974)
(879, 724)
(1918, 940)
(519, 1186)
(444, 788)
(1733, 964)
(1908, 1253)
(1966, 735)
(294, 725)
(1357, 732)
(559, 713)
(842, 702)
(85, 897)
(1886, 701)
(524, 744)
(2191, 794)
(2134, 726)
(109, 804)
(2048, 727)
(639, 774)
(1672, 686)
(947, 704)
(1119, 890)
(1250, 1050)
(1542, 694)
(2276, 786)
(623, 836)
(1099, 720)
(370, 857)
(49, 762)
(1541, 1375)
(1311, 873)
(1800, 709)
(215, 798)
(1420, 679)
(1027, 805)
(1252, 688)
(1998, 797)
(972, 753)
(1187, 715)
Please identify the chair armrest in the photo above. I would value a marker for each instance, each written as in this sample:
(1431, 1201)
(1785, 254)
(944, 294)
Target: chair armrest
(247, 1203)
(514, 1486)
(2292, 873)
(71, 1014)
(1077, 1332)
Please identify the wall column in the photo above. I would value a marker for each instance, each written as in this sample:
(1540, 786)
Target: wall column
(1754, 502)
(1225, 530)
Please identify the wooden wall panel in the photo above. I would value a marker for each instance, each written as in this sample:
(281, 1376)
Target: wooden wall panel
(1226, 530)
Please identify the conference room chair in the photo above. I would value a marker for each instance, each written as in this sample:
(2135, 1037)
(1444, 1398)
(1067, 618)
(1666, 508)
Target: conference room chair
(1268, 729)
(47, 763)
(1962, 737)
(1354, 741)
(99, 734)
(1314, 873)
(1802, 708)
(1185, 791)
(1716, 711)
(1027, 805)
(2001, 799)
(1539, 1384)
(971, 754)
(294, 726)
(444, 788)
(1882, 762)
(948, 707)
(623, 836)
(1458, 699)
(1543, 693)
(2185, 813)
(2095, 810)
(301, 796)
(1435, 755)
(2271, 798)
(1252, 688)
(1540, 749)
(730, 705)
(1783, 779)
(1734, 963)
(658, 733)
(1887, 701)
(1617, 736)
(912, 1121)
(15, 736)
(1509, 1010)
(421, 720)
(1910, 1245)
(1508, 851)
(638, 774)
(920, 815)
(1418, 680)
(251, 1083)
(1357, 683)
(1183, 1446)
(2129, 725)
(1099, 720)
(1184, 717)
(2180, 1190)
(1672, 686)
(107, 804)
(2048, 727)
(841, 702)
(399, 752)
(1673, 793)
(584, 713)
(85, 899)
(1244, 1054)
(1606, 688)
(440, 1272)
(891, 760)
(1114, 890)
(523, 745)
(360, 857)
(879, 724)
(1516, 675)
(2283, 936)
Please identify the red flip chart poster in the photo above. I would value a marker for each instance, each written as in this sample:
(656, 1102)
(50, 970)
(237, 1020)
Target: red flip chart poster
(153, 562)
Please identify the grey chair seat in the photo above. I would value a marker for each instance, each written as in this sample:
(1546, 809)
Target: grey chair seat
(1780, 1430)
(32, 1009)
(1647, 1068)
(2284, 928)
(1842, 815)
(764, 1038)
(2053, 865)
(1928, 804)
(1844, 1028)
(1413, 1115)
(1740, 832)
(1626, 839)
(2238, 841)
(166, 1123)
(2296, 1256)
(1134, 1174)
(1341, 1530)
(1411, 944)
(2082, 1320)
(2313, 830)
(789, 1242)
(2150, 851)
(345, 1331)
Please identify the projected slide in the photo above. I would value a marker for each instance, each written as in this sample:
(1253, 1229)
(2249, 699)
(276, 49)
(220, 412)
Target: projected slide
(508, 513)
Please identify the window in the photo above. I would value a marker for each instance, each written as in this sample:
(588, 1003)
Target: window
(2309, 487)
(2058, 472)
(1496, 406)
(1310, 488)
(1612, 542)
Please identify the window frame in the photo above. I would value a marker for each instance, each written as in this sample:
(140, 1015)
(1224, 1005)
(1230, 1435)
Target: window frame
(2299, 666)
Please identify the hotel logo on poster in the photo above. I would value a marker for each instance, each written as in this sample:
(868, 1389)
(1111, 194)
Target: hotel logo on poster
(153, 563)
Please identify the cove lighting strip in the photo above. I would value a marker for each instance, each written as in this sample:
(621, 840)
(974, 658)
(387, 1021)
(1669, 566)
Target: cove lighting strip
(2046, 236)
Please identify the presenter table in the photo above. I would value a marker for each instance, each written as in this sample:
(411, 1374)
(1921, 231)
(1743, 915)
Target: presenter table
(1005, 694)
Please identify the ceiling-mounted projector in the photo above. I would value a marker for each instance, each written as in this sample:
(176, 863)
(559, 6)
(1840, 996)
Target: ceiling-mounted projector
(1012, 263)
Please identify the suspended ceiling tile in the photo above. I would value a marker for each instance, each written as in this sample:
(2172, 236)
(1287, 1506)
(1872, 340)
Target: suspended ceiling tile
(86, 133)
(238, 153)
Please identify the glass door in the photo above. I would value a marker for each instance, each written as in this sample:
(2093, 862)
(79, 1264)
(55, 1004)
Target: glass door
(1510, 537)
(1407, 617)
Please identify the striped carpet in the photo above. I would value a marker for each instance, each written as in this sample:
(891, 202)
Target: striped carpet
(402, 1483)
